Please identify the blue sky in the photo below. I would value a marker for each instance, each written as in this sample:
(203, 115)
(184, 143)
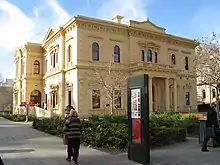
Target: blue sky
(25, 20)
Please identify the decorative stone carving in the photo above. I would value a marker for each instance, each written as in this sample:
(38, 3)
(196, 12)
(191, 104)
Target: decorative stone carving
(54, 88)
(187, 86)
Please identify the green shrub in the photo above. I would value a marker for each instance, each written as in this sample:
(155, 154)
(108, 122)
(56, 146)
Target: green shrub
(18, 118)
(111, 131)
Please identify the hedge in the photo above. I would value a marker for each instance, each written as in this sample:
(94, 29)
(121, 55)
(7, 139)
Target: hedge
(18, 118)
(111, 131)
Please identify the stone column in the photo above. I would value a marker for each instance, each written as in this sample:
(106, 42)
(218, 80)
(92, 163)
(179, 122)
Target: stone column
(167, 94)
(150, 93)
(175, 94)
(62, 84)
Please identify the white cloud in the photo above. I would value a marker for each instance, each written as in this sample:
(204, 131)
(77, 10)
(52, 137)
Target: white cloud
(130, 9)
(16, 27)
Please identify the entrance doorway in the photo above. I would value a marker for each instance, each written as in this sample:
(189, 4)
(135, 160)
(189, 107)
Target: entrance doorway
(36, 97)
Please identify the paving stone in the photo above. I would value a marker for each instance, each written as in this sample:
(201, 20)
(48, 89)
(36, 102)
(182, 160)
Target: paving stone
(20, 144)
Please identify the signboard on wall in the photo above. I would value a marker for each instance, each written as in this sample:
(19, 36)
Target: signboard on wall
(136, 115)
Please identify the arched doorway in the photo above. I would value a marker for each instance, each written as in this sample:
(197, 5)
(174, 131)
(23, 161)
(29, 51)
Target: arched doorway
(36, 97)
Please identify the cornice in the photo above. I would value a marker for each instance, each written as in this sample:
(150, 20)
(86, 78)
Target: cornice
(185, 52)
(96, 37)
(174, 50)
(136, 32)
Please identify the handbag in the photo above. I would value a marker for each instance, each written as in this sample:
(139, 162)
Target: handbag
(210, 132)
(65, 140)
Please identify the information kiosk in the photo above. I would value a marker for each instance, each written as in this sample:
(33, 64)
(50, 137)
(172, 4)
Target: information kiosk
(138, 120)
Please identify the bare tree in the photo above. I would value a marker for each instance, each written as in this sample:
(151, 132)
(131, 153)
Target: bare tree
(107, 79)
(207, 62)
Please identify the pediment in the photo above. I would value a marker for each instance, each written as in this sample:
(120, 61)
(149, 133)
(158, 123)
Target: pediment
(147, 25)
(49, 33)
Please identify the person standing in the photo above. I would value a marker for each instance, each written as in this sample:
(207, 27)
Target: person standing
(212, 124)
(73, 130)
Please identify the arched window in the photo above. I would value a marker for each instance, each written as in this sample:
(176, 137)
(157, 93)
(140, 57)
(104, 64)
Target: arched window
(186, 63)
(203, 94)
(95, 51)
(149, 55)
(213, 93)
(116, 53)
(69, 53)
(36, 69)
(36, 97)
(173, 59)
(155, 57)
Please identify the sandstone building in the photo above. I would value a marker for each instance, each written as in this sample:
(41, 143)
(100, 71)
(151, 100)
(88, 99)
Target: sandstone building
(50, 72)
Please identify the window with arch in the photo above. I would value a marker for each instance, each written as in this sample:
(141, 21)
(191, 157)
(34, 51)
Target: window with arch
(213, 93)
(35, 97)
(203, 94)
(117, 54)
(155, 57)
(173, 59)
(69, 53)
(186, 63)
(95, 51)
(36, 69)
(149, 55)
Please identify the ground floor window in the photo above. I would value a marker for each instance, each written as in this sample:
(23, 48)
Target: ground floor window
(187, 98)
(96, 99)
(117, 98)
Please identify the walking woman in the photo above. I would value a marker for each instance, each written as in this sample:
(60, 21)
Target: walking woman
(73, 130)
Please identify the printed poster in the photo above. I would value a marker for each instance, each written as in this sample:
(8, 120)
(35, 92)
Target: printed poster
(136, 115)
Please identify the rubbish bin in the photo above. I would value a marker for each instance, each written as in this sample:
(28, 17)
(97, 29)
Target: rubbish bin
(202, 126)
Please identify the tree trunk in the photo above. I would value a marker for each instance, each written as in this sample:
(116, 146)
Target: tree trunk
(111, 106)
(218, 104)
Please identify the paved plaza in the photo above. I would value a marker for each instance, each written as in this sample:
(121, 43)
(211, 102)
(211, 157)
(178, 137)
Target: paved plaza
(20, 144)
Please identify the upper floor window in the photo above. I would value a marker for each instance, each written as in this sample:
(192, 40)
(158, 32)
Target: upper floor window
(36, 67)
(213, 93)
(186, 63)
(149, 55)
(54, 60)
(22, 67)
(173, 59)
(203, 94)
(155, 57)
(57, 57)
(142, 55)
(95, 51)
(116, 53)
(69, 53)
(46, 65)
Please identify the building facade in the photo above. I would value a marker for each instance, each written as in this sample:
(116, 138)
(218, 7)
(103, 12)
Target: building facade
(206, 94)
(6, 95)
(51, 72)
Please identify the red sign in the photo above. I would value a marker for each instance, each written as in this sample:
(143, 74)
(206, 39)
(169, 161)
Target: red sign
(136, 130)
(136, 115)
